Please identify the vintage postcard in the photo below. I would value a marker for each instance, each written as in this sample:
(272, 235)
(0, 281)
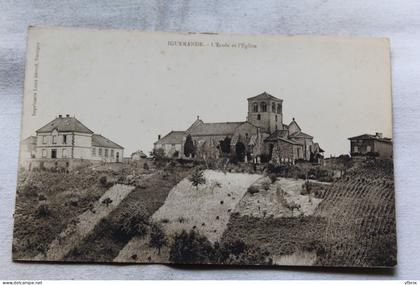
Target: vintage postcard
(141, 147)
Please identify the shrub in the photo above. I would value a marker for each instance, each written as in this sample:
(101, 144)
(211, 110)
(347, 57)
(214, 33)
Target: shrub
(133, 223)
(103, 180)
(157, 237)
(253, 189)
(266, 185)
(146, 166)
(43, 210)
(189, 248)
(107, 201)
(272, 177)
(197, 178)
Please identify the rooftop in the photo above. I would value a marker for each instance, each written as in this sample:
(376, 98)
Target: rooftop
(65, 124)
(206, 129)
(265, 96)
(101, 141)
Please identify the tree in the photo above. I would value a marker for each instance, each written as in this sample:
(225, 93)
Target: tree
(158, 154)
(225, 145)
(157, 237)
(190, 248)
(189, 147)
(197, 178)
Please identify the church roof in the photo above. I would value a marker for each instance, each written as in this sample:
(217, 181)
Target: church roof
(264, 96)
(293, 122)
(214, 129)
(173, 137)
(101, 141)
(65, 124)
(300, 134)
(277, 134)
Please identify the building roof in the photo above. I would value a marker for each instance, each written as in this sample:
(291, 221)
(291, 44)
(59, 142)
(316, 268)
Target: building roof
(29, 140)
(65, 124)
(293, 122)
(371, 137)
(208, 129)
(173, 137)
(264, 96)
(140, 153)
(300, 134)
(289, 141)
(101, 141)
(196, 123)
(276, 135)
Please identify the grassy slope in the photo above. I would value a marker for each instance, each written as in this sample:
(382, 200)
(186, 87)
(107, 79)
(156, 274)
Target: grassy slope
(66, 194)
(106, 241)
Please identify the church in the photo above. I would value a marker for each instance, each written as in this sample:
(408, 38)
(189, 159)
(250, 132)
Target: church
(263, 137)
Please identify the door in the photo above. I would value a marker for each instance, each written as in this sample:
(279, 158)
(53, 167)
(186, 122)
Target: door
(117, 157)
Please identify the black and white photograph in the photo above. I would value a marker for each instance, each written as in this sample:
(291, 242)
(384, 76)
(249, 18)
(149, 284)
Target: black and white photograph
(209, 149)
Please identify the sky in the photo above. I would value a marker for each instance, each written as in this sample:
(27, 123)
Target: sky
(131, 86)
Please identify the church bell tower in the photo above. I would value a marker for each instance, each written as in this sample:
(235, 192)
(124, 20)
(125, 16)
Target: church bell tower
(266, 112)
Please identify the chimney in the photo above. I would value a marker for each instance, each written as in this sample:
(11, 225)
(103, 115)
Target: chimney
(198, 117)
(158, 137)
(60, 116)
(67, 116)
(379, 135)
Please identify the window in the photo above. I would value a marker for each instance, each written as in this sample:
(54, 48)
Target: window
(54, 139)
(258, 117)
(100, 151)
(64, 139)
(276, 118)
(273, 107)
(64, 153)
(356, 149)
(94, 151)
(44, 139)
(44, 153)
(255, 107)
(53, 153)
(106, 152)
(263, 107)
(278, 108)
(112, 153)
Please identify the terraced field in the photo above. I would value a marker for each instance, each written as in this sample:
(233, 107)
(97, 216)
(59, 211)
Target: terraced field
(360, 214)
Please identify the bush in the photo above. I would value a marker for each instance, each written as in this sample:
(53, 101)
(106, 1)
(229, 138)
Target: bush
(133, 223)
(146, 166)
(190, 248)
(43, 210)
(272, 177)
(103, 181)
(107, 201)
(266, 185)
(253, 189)
(157, 237)
(197, 178)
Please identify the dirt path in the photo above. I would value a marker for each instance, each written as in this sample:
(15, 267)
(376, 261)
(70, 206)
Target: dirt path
(84, 224)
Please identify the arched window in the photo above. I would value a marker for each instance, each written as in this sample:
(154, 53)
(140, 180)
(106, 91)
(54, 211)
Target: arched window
(273, 107)
(259, 117)
(263, 107)
(278, 108)
(255, 107)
